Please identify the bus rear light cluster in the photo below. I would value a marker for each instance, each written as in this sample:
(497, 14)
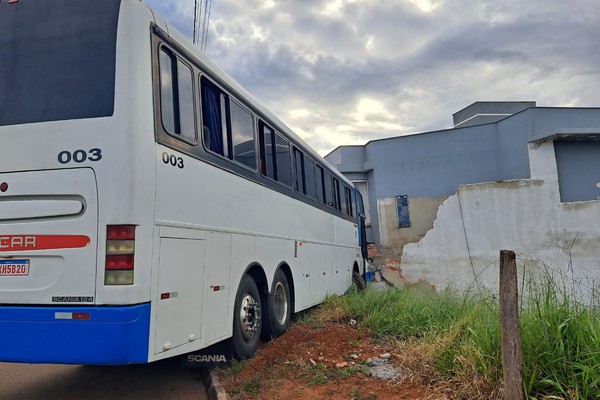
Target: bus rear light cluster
(120, 250)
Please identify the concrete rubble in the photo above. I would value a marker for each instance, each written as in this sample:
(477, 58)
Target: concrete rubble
(380, 368)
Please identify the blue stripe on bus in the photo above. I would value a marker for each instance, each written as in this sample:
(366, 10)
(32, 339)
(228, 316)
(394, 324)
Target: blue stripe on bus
(111, 335)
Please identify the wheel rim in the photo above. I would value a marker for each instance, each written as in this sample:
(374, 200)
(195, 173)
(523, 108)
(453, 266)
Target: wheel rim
(280, 303)
(249, 317)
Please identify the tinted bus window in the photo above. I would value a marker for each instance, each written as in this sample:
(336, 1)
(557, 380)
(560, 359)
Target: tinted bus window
(267, 155)
(299, 171)
(320, 181)
(329, 189)
(284, 168)
(177, 96)
(336, 195)
(213, 109)
(309, 177)
(57, 60)
(242, 135)
(348, 201)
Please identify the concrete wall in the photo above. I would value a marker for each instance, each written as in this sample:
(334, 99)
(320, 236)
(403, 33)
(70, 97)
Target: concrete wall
(524, 215)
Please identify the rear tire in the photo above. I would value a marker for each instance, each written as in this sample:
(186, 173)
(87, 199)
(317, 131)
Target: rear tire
(277, 319)
(359, 281)
(247, 315)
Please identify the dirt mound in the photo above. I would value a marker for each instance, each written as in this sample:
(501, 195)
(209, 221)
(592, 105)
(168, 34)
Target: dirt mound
(322, 361)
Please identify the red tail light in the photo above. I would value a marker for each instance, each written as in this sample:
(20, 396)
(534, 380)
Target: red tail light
(120, 232)
(120, 250)
(119, 262)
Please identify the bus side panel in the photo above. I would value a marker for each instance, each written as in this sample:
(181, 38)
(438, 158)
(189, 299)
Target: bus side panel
(218, 313)
(179, 302)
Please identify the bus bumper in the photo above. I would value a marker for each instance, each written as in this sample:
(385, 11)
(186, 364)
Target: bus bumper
(75, 335)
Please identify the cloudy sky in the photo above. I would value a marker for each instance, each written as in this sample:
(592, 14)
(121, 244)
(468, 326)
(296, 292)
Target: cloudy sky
(342, 72)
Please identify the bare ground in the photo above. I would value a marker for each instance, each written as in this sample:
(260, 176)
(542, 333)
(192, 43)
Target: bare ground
(333, 360)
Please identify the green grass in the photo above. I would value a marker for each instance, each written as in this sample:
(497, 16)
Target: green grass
(560, 336)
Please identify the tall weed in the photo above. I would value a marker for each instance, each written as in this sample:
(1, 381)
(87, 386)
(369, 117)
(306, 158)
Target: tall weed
(560, 335)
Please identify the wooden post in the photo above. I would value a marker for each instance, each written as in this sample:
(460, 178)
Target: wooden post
(512, 360)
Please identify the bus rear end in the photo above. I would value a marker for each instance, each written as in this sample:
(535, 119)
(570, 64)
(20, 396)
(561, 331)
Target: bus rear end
(62, 246)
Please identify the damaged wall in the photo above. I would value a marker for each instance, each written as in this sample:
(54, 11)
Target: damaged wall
(423, 212)
(524, 215)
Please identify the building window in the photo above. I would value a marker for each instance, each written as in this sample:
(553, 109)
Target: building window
(403, 215)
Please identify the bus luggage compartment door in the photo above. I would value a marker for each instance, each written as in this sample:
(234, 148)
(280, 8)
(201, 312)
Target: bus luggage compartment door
(180, 291)
(48, 237)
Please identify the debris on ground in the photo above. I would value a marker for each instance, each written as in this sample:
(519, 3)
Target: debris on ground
(381, 369)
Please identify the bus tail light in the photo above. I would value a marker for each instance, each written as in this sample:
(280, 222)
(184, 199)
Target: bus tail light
(120, 250)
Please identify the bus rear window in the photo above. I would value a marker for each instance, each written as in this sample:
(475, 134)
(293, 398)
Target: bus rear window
(58, 60)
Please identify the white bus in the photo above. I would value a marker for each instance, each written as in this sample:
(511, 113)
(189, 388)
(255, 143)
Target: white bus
(149, 206)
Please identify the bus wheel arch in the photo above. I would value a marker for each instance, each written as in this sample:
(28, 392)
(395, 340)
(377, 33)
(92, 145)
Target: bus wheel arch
(357, 279)
(248, 312)
(280, 305)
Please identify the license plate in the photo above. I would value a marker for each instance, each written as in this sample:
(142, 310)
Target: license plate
(14, 267)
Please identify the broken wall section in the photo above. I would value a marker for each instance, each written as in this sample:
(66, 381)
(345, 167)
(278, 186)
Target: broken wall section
(524, 215)
(422, 211)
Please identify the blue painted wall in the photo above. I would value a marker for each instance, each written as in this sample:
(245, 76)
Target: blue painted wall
(578, 164)
(434, 164)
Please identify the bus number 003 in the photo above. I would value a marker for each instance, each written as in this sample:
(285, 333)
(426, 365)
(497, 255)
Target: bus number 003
(172, 159)
(79, 156)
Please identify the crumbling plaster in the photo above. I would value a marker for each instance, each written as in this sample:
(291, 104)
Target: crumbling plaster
(524, 215)
(422, 214)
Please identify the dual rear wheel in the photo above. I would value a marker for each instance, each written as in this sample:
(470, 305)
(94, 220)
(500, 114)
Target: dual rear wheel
(253, 320)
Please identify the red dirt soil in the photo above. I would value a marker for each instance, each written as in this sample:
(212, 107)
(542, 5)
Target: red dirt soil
(324, 361)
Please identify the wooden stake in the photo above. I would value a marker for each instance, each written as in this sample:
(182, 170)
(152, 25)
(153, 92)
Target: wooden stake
(512, 359)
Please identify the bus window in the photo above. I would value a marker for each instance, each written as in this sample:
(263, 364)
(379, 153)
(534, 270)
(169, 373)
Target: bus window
(336, 195)
(343, 199)
(60, 67)
(329, 189)
(284, 168)
(267, 155)
(213, 108)
(320, 180)
(348, 199)
(242, 135)
(299, 171)
(177, 96)
(309, 177)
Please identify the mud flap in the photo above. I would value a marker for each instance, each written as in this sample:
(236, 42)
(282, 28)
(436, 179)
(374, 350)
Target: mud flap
(217, 355)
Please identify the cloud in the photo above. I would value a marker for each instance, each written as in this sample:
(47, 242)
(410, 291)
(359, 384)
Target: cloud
(348, 71)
